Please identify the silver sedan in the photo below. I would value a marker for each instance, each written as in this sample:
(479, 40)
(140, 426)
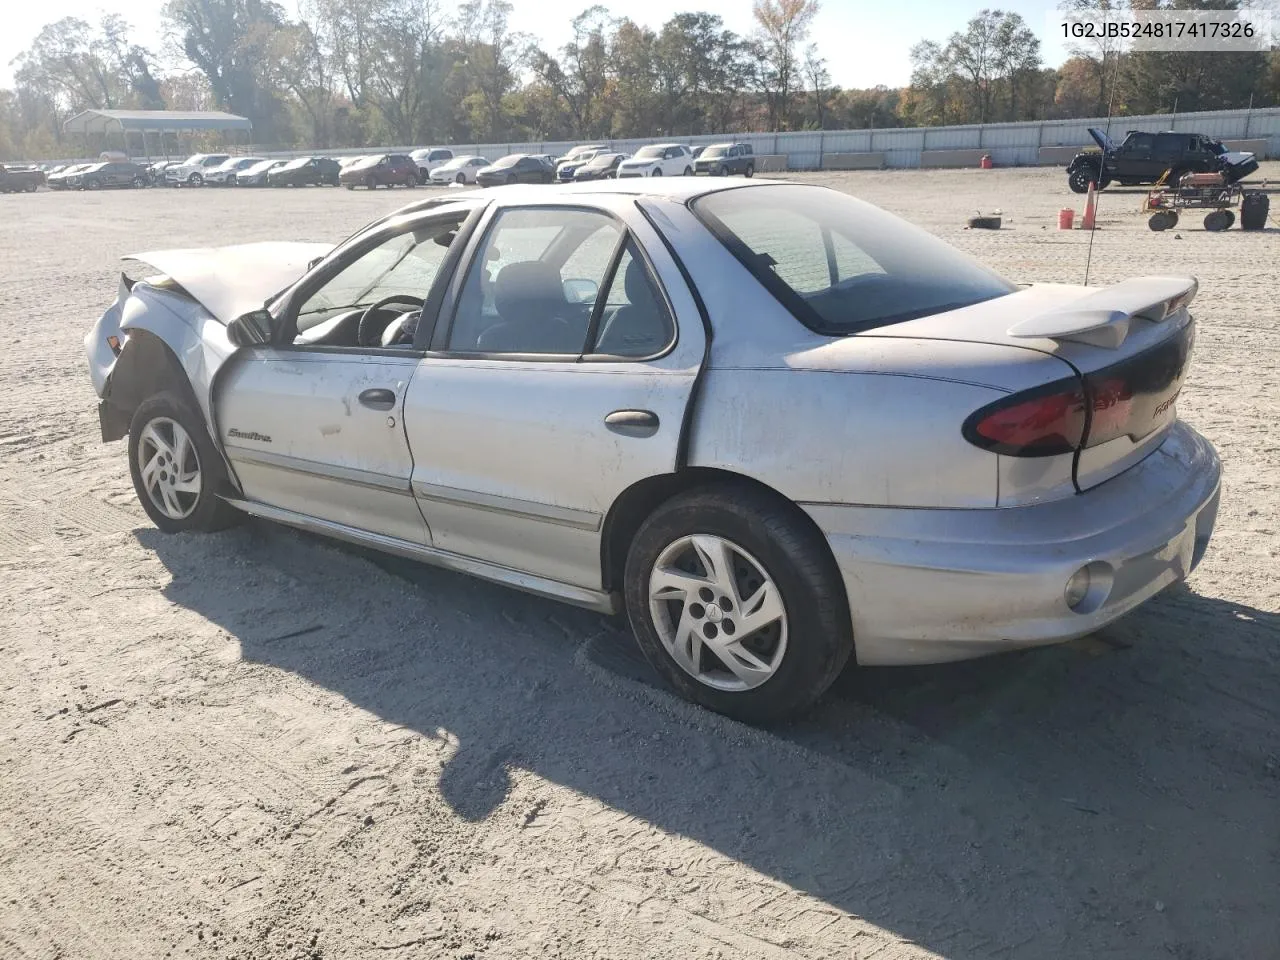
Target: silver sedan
(777, 426)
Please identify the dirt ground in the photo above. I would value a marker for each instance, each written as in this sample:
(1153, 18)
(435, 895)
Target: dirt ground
(261, 745)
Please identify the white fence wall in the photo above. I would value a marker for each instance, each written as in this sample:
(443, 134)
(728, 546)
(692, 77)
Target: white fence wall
(1010, 144)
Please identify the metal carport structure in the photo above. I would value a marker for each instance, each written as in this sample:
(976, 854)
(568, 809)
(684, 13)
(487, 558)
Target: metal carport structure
(160, 122)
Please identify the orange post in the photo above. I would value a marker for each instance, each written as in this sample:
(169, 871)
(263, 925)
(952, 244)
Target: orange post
(1090, 208)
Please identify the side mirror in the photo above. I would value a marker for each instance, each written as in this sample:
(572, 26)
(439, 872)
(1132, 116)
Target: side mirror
(250, 328)
(581, 291)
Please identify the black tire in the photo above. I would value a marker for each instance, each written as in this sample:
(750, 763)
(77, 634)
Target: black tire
(211, 512)
(1218, 220)
(656, 173)
(195, 180)
(794, 554)
(688, 171)
(460, 178)
(1162, 220)
(92, 184)
(750, 171)
(1254, 210)
(1080, 178)
(139, 182)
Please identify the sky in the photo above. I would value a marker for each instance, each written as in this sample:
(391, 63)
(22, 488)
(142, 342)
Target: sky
(865, 42)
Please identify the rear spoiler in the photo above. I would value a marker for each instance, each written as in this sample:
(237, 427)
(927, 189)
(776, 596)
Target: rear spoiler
(1102, 318)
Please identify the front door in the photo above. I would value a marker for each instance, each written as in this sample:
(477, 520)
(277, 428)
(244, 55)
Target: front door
(558, 383)
(316, 426)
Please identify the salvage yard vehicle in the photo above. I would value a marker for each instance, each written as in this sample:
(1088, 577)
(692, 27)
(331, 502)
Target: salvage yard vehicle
(305, 172)
(778, 426)
(659, 160)
(20, 179)
(515, 168)
(726, 159)
(462, 169)
(58, 180)
(565, 169)
(380, 170)
(1154, 158)
(428, 159)
(192, 171)
(116, 173)
(603, 166)
(256, 175)
(227, 173)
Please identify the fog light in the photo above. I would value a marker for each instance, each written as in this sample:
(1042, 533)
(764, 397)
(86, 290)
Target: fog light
(1088, 588)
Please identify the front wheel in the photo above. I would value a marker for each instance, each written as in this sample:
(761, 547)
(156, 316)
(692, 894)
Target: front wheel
(176, 471)
(195, 180)
(736, 600)
(460, 178)
(371, 183)
(688, 171)
(656, 172)
(1080, 178)
(139, 182)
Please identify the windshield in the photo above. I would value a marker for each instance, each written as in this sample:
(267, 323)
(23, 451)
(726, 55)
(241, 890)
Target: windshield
(261, 165)
(650, 153)
(840, 265)
(717, 151)
(194, 158)
(404, 264)
(602, 160)
(295, 164)
(365, 162)
(509, 161)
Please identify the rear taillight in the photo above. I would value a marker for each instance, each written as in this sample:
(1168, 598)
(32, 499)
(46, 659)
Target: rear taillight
(1044, 422)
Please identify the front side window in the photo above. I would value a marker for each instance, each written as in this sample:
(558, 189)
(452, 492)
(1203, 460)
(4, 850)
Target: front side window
(405, 264)
(839, 265)
(533, 285)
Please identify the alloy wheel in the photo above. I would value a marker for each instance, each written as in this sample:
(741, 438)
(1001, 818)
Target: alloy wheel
(169, 467)
(718, 613)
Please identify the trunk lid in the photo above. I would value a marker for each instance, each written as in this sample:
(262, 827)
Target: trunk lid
(1129, 345)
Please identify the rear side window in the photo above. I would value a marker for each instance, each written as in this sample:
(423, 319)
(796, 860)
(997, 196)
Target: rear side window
(839, 265)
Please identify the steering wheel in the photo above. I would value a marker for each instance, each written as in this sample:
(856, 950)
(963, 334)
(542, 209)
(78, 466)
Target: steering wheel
(366, 336)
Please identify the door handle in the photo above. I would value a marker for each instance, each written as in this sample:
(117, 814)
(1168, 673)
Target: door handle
(633, 423)
(379, 398)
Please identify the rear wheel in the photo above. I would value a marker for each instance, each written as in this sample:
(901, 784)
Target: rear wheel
(750, 171)
(176, 471)
(1163, 220)
(735, 599)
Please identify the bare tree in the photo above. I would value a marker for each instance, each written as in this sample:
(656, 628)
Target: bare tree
(782, 25)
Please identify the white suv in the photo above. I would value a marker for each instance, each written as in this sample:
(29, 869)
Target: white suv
(429, 158)
(193, 170)
(658, 160)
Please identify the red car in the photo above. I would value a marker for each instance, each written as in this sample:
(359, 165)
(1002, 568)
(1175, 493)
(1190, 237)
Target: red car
(380, 170)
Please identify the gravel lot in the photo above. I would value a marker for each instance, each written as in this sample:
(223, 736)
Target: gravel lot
(257, 744)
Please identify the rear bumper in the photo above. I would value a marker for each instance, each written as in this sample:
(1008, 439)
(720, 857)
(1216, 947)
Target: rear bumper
(928, 586)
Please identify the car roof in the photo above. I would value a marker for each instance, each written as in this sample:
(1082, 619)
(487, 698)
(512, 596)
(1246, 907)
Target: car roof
(681, 189)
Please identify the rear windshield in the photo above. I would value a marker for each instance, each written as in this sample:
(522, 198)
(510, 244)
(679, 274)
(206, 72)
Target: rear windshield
(840, 265)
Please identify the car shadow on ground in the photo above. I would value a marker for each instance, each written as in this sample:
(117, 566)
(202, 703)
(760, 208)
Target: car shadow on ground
(1110, 797)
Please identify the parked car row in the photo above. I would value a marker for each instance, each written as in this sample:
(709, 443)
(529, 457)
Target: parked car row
(434, 165)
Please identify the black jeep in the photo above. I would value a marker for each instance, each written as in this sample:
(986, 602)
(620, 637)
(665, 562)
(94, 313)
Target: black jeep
(1145, 158)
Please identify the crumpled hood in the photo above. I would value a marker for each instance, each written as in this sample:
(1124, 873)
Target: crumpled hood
(230, 281)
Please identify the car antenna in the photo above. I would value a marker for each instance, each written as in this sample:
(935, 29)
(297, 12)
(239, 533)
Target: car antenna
(1097, 197)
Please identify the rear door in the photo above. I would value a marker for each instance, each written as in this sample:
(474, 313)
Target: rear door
(556, 381)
